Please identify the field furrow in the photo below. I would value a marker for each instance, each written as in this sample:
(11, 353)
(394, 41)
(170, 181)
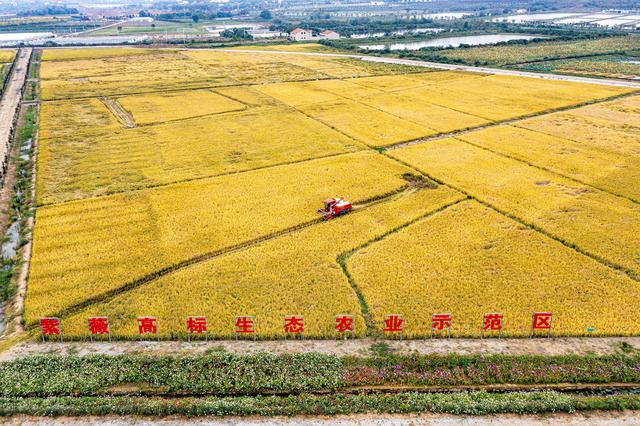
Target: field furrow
(85, 248)
(593, 221)
(470, 260)
(292, 274)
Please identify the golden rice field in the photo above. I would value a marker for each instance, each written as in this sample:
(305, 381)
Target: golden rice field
(472, 260)
(185, 182)
(7, 55)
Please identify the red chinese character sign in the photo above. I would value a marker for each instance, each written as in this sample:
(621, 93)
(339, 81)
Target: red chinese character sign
(245, 325)
(50, 327)
(541, 321)
(441, 323)
(148, 325)
(197, 325)
(294, 324)
(492, 323)
(343, 324)
(393, 324)
(98, 326)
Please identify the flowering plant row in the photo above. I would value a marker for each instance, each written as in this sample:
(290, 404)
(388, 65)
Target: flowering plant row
(230, 374)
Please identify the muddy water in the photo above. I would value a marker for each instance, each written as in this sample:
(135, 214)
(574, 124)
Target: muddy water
(8, 252)
(11, 240)
(10, 245)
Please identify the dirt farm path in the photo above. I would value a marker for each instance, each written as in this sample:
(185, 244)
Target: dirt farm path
(538, 346)
(596, 418)
(450, 67)
(11, 100)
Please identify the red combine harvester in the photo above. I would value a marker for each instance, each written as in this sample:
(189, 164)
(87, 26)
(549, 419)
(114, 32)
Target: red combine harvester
(335, 207)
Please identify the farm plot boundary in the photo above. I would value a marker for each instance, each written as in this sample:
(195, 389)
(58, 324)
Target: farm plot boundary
(422, 140)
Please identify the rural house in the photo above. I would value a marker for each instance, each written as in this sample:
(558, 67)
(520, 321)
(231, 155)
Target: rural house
(329, 35)
(300, 34)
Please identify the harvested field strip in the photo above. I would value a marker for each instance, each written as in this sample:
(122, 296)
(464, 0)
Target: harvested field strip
(124, 117)
(302, 256)
(117, 239)
(593, 222)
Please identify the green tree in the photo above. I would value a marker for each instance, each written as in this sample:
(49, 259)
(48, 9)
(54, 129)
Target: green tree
(195, 18)
(266, 15)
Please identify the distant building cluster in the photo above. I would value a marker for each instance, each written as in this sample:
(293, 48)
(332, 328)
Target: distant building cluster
(301, 34)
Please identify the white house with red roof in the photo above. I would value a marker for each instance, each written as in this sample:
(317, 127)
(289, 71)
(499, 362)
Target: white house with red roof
(301, 34)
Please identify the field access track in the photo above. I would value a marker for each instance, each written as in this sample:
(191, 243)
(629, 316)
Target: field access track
(11, 101)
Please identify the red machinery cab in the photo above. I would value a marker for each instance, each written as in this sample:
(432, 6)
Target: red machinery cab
(335, 207)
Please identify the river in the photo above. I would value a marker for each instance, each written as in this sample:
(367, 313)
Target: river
(452, 42)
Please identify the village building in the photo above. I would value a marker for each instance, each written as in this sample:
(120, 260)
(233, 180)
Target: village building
(329, 35)
(300, 34)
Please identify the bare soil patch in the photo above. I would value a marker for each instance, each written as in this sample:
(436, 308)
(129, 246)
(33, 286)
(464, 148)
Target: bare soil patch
(596, 418)
(359, 347)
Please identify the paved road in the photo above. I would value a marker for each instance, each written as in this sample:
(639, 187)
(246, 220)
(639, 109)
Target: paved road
(449, 67)
(11, 100)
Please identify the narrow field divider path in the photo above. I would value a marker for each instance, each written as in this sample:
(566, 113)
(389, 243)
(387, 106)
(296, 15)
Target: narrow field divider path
(343, 258)
(10, 102)
(148, 278)
(510, 120)
(631, 274)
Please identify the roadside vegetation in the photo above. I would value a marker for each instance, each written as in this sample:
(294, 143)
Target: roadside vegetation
(20, 206)
(462, 403)
(266, 384)
(221, 373)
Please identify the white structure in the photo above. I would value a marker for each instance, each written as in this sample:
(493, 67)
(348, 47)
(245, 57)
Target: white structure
(141, 19)
(330, 35)
(300, 34)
